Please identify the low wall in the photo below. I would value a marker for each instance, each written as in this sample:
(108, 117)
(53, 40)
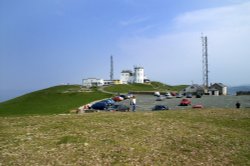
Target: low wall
(145, 92)
(239, 93)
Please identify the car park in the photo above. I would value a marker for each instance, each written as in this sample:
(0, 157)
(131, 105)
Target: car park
(119, 107)
(185, 102)
(160, 108)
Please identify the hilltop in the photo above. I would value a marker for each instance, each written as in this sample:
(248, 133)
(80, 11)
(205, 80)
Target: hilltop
(153, 86)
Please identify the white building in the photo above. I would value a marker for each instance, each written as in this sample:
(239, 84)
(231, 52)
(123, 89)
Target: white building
(220, 87)
(127, 76)
(89, 82)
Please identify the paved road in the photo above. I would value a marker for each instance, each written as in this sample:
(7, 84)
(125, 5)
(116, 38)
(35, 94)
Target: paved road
(146, 102)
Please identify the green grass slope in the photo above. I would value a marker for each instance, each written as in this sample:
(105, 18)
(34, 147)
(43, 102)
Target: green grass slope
(54, 100)
(186, 138)
(154, 86)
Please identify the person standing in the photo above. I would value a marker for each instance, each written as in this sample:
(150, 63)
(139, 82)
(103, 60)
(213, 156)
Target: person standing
(237, 104)
(133, 103)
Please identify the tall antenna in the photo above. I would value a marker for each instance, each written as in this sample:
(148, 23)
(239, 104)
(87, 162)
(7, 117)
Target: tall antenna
(111, 68)
(204, 61)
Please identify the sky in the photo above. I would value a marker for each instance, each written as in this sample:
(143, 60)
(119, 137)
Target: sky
(44, 43)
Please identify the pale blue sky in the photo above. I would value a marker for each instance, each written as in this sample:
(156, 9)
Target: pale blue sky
(48, 42)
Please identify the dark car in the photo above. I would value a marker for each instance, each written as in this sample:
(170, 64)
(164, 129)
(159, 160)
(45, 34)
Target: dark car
(100, 106)
(189, 96)
(160, 108)
(198, 95)
(125, 96)
(109, 102)
(119, 107)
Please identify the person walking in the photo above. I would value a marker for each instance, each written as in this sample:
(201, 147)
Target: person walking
(133, 103)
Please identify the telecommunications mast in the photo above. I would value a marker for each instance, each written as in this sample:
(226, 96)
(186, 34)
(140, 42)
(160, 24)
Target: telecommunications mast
(204, 61)
(111, 68)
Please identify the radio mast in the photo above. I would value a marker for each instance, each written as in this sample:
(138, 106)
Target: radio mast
(111, 68)
(204, 61)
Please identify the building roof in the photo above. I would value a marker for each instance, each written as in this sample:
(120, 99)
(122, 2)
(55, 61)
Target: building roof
(198, 87)
(219, 84)
(127, 71)
(137, 67)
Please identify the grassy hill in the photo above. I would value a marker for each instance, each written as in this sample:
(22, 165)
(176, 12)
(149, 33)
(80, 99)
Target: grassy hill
(187, 137)
(154, 86)
(54, 100)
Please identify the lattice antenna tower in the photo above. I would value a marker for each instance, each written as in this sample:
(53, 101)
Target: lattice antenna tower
(111, 68)
(204, 61)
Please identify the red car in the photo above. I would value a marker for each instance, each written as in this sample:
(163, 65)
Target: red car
(185, 102)
(198, 106)
(118, 98)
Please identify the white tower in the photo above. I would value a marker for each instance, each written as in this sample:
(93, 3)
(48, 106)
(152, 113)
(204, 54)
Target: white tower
(139, 75)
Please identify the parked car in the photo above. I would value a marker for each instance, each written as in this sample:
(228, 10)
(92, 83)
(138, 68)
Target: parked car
(100, 106)
(119, 107)
(118, 98)
(173, 93)
(197, 106)
(189, 96)
(185, 102)
(125, 96)
(129, 95)
(198, 95)
(109, 101)
(160, 108)
(160, 98)
(168, 95)
(157, 94)
(179, 95)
